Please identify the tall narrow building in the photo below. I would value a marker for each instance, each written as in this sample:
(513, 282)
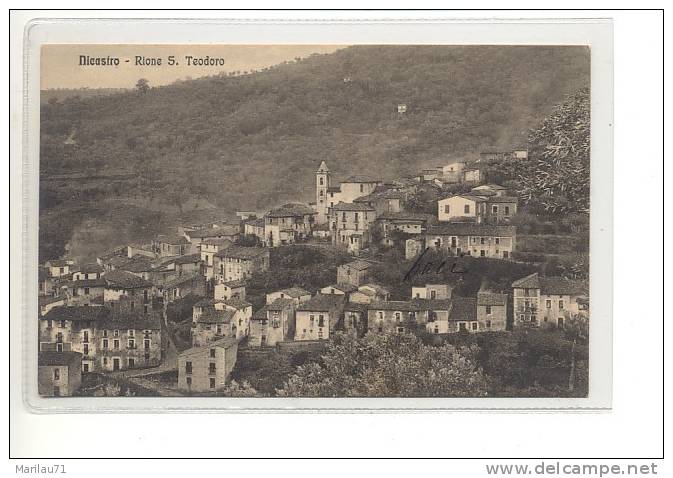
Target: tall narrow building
(322, 184)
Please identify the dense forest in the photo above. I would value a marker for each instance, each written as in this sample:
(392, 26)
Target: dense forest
(252, 141)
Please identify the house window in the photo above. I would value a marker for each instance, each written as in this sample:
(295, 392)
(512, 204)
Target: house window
(495, 209)
(57, 374)
(49, 324)
(488, 324)
(115, 344)
(467, 209)
(549, 303)
(362, 188)
(505, 254)
(189, 381)
(86, 336)
(212, 353)
(85, 349)
(211, 368)
(398, 316)
(497, 240)
(146, 344)
(560, 304)
(212, 383)
(506, 210)
(132, 343)
(447, 209)
(105, 343)
(482, 253)
(85, 367)
(482, 240)
(321, 321)
(488, 310)
(400, 330)
(474, 326)
(132, 362)
(188, 367)
(116, 333)
(62, 324)
(86, 291)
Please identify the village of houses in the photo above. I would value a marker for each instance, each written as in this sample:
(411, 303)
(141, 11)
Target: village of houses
(109, 317)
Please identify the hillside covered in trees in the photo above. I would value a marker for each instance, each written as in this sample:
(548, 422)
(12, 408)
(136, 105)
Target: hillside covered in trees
(252, 141)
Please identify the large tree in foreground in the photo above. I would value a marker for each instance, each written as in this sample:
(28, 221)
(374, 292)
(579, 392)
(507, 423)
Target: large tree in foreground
(388, 365)
(557, 173)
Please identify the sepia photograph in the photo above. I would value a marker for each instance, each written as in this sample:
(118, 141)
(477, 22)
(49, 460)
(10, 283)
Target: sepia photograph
(314, 221)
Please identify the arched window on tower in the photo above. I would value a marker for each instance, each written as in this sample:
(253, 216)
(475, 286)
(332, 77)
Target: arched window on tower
(322, 181)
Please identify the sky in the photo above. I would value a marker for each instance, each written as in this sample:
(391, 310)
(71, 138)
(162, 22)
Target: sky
(60, 64)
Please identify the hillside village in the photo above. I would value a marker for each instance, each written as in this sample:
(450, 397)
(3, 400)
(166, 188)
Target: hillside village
(115, 317)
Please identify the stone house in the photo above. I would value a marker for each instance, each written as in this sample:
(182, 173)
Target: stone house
(319, 317)
(212, 325)
(59, 267)
(432, 291)
(126, 284)
(479, 240)
(453, 171)
(296, 294)
(230, 232)
(239, 263)
(349, 223)
(72, 329)
(413, 224)
(273, 323)
(439, 311)
(491, 311)
(208, 248)
(207, 368)
(396, 316)
(83, 291)
(339, 289)
(140, 266)
(462, 206)
(463, 315)
(59, 374)
(170, 245)
(547, 301)
(88, 272)
(230, 290)
(254, 227)
(383, 200)
(355, 319)
(354, 273)
(288, 224)
(127, 341)
(368, 293)
(181, 286)
(473, 175)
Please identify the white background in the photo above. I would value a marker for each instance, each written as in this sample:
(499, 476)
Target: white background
(632, 429)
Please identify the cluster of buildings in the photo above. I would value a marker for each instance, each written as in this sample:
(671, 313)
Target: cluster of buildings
(108, 316)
